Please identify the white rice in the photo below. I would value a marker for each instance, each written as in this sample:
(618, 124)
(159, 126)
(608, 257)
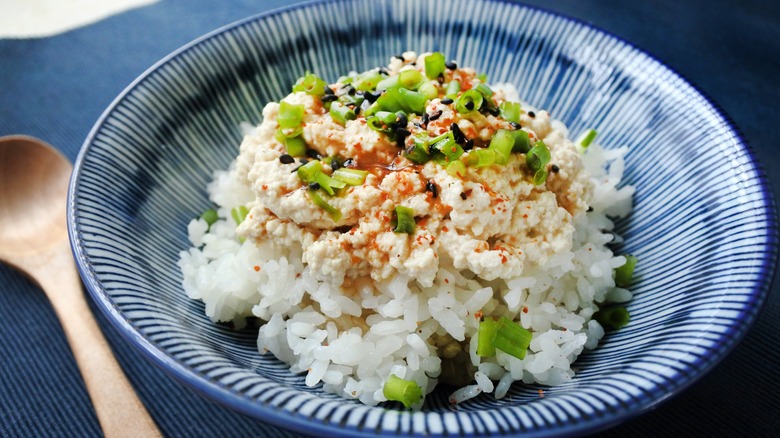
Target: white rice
(351, 344)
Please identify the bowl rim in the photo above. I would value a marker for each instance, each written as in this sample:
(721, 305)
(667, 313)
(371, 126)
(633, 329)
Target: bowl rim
(765, 277)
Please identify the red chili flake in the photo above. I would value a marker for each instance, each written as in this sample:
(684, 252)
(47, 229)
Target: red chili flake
(525, 216)
(503, 258)
(298, 275)
(447, 280)
(478, 314)
(265, 187)
(445, 229)
(525, 309)
(256, 268)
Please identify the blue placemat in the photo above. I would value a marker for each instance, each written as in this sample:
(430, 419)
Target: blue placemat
(55, 88)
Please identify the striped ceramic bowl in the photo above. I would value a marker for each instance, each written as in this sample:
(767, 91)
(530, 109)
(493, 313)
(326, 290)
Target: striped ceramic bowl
(703, 225)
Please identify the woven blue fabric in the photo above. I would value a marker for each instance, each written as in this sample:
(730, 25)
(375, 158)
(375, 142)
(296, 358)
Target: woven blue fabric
(55, 88)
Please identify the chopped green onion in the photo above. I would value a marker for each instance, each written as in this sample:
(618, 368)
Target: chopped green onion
(368, 81)
(334, 212)
(537, 157)
(404, 220)
(434, 65)
(452, 90)
(311, 84)
(412, 101)
(482, 77)
(485, 337)
(290, 115)
(341, 113)
(512, 338)
(239, 214)
(482, 157)
(587, 138)
(295, 146)
(502, 143)
(510, 111)
(540, 176)
(387, 83)
(469, 101)
(352, 177)
(330, 185)
(429, 90)
(418, 152)
(397, 389)
(484, 90)
(625, 273)
(210, 216)
(522, 142)
(615, 317)
(410, 79)
(390, 100)
(445, 144)
(308, 171)
(456, 168)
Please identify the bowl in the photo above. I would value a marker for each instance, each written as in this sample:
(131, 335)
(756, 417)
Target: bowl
(703, 226)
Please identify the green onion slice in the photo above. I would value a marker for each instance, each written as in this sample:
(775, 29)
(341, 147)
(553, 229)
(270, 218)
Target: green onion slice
(625, 273)
(434, 65)
(538, 156)
(290, 115)
(308, 171)
(397, 389)
(612, 317)
(540, 177)
(368, 81)
(469, 101)
(502, 144)
(484, 90)
(418, 152)
(239, 214)
(315, 197)
(412, 101)
(410, 79)
(457, 169)
(522, 142)
(404, 220)
(587, 138)
(210, 216)
(341, 113)
(429, 90)
(452, 90)
(485, 337)
(484, 157)
(351, 177)
(510, 111)
(330, 185)
(311, 84)
(446, 145)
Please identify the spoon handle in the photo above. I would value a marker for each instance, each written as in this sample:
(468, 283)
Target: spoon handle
(119, 410)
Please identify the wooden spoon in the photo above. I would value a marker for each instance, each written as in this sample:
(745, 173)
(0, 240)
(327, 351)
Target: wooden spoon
(34, 239)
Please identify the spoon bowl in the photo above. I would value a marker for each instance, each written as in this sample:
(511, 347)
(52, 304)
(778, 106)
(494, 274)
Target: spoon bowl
(34, 239)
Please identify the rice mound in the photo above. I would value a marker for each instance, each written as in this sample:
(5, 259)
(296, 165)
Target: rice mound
(351, 340)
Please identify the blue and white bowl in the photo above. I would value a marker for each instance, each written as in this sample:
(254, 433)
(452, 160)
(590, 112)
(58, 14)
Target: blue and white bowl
(703, 227)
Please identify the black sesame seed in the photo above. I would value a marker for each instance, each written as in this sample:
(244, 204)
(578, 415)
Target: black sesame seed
(590, 209)
(452, 65)
(286, 159)
(515, 125)
(311, 153)
(303, 160)
(493, 111)
(329, 97)
(457, 134)
(335, 164)
(401, 119)
(357, 110)
(469, 105)
(401, 57)
(351, 91)
(435, 115)
(425, 119)
(531, 114)
(431, 187)
(463, 196)
(383, 71)
(469, 145)
(440, 78)
(314, 186)
(349, 163)
(447, 101)
(328, 90)
(400, 135)
(554, 168)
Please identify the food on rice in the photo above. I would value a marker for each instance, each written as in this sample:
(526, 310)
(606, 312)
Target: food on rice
(409, 226)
